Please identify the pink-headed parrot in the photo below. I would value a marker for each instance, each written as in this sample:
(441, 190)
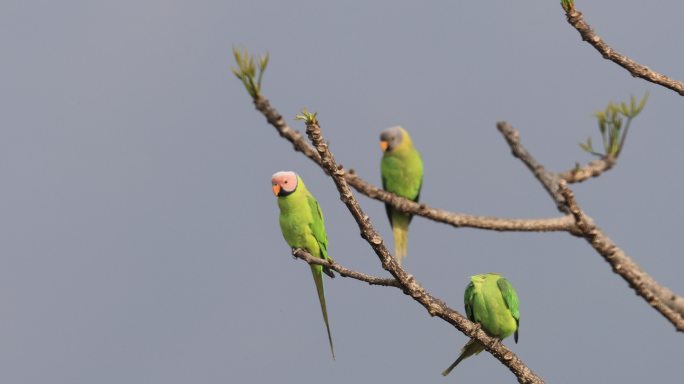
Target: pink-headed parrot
(301, 222)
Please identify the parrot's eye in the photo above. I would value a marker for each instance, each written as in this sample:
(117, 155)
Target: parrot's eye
(285, 181)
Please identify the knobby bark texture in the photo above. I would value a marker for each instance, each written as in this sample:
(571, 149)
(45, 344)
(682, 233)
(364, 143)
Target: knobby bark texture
(662, 299)
(408, 283)
(275, 119)
(576, 19)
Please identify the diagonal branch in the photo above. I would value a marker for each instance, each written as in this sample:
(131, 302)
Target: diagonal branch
(576, 19)
(409, 284)
(345, 272)
(622, 265)
(658, 296)
(549, 180)
(564, 223)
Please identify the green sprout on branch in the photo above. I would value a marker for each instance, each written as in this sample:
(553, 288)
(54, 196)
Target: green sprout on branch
(250, 70)
(614, 124)
(308, 117)
(568, 5)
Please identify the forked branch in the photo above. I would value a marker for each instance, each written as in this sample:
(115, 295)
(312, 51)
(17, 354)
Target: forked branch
(662, 299)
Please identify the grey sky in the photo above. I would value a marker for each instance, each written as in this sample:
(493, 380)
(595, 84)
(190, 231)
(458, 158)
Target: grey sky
(139, 240)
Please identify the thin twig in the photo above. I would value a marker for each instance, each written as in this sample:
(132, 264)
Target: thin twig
(344, 272)
(409, 284)
(594, 168)
(576, 19)
(564, 223)
(644, 285)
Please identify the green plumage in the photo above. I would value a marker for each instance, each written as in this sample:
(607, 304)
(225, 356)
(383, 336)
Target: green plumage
(491, 301)
(301, 222)
(402, 174)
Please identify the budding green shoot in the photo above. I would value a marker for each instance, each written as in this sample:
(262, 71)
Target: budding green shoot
(250, 70)
(308, 117)
(613, 124)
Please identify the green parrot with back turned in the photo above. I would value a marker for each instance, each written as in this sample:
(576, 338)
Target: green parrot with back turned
(491, 301)
(301, 222)
(402, 174)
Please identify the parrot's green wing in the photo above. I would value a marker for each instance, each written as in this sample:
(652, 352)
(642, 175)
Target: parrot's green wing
(317, 227)
(388, 208)
(511, 300)
(420, 187)
(468, 298)
(417, 197)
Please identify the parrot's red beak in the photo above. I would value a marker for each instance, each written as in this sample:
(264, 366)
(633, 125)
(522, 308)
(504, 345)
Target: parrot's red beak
(276, 189)
(383, 145)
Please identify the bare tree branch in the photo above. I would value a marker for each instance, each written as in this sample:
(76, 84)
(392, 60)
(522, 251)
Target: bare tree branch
(344, 272)
(576, 19)
(565, 223)
(645, 286)
(621, 263)
(409, 284)
(592, 169)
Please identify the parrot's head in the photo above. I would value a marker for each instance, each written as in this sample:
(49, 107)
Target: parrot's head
(283, 183)
(391, 138)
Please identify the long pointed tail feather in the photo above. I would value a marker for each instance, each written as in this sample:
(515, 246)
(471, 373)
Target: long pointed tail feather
(317, 272)
(400, 233)
(473, 347)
